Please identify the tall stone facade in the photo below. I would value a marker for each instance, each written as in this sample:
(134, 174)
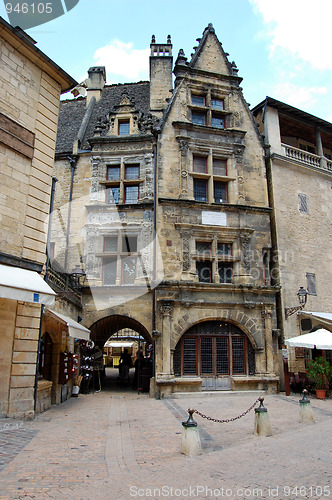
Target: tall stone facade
(299, 169)
(30, 86)
(162, 198)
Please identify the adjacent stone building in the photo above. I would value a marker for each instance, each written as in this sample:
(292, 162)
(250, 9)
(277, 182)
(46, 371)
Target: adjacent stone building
(299, 172)
(162, 198)
(30, 86)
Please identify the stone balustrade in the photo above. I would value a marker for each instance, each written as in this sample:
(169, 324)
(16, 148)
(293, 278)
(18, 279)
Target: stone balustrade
(307, 158)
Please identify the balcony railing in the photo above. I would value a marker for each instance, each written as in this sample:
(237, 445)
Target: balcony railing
(307, 158)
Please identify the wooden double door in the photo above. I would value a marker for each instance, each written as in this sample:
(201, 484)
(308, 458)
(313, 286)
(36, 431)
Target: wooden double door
(214, 351)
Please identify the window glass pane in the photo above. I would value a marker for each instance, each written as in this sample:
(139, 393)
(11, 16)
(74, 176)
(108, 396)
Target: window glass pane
(200, 190)
(200, 164)
(189, 357)
(132, 172)
(198, 100)
(113, 194)
(204, 271)
(217, 121)
(217, 103)
(124, 128)
(224, 249)
(128, 270)
(225, 270)
(206, 355)
(219, 167)
(131, 194)
(222, 355)
(111, 244)
(220, 192)
(203, 247)
(113, 173)
(238, 355)
(198, 118)
(129, 244)
(109, 271)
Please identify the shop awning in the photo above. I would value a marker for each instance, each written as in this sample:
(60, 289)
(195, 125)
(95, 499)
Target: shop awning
(75, 330)
(118, 344)
(22, 284)
(325, 319)
(320, 339)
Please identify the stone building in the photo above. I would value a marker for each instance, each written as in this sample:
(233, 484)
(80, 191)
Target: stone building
(30, 86)
(299, 171)
(162, 198)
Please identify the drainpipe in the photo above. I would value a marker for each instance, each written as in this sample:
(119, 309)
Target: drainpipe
(54, 181)
(154, 264)
(73, 164)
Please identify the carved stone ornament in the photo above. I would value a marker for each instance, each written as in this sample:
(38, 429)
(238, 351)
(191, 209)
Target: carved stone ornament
(184, 146)
(166, 307)
(245, 239)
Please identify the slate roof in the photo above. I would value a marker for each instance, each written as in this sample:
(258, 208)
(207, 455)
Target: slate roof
(72, 112)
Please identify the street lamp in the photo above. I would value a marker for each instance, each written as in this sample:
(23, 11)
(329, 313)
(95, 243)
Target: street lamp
(302, 295)
(78, 276)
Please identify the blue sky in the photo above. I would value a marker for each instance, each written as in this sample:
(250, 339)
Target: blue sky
(281, 47)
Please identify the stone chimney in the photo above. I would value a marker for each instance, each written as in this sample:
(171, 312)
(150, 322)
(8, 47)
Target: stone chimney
(96, 82)
(161, 65)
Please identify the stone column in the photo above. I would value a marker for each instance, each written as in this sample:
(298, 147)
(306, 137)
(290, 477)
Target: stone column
(166, 310)
(319, 147)
(184, 146)
(267, 318)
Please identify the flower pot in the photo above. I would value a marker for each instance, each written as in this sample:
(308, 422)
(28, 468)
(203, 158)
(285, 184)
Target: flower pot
(320, 393)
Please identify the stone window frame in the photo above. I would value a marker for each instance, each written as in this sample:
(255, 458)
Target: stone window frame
(214, 257)
(123, 182)
(207, 108)
(209, 176)
(120, 255)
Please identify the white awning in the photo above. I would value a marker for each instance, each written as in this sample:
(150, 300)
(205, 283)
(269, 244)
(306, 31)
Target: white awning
(320, 339)
(75, 330)
(22, 284)
(118, 344)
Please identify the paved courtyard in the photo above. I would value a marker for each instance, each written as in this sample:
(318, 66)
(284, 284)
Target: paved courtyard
(120, 445)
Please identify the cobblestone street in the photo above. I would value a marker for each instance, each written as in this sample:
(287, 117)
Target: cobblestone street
(121, 445)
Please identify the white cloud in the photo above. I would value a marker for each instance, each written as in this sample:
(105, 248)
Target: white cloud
(300, 97)
(301, 27)
(123, 60)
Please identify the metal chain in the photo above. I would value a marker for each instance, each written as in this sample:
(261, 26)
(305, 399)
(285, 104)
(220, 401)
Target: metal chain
(226, 420)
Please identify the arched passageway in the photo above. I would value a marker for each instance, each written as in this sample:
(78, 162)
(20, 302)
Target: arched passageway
(215, 351)
(104, 328)
(112, 336)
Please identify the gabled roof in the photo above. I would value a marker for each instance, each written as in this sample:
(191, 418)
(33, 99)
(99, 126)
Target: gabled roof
(72, 112)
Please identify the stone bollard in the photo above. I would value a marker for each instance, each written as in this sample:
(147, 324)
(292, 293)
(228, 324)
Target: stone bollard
(191, 443)
(262, 422)
(306, 411)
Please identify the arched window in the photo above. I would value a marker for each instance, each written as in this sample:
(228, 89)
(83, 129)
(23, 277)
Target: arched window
(212, 349)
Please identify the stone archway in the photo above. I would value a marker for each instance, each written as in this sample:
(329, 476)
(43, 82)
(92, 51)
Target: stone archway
(105, 327)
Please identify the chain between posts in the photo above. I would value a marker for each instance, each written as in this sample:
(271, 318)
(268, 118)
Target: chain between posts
(226, 420)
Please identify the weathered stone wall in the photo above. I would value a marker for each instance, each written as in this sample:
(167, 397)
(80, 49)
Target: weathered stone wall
(30, 98)
(297, 231)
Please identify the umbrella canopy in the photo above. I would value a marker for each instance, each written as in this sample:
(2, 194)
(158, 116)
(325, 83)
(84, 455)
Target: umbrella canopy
(321, 339)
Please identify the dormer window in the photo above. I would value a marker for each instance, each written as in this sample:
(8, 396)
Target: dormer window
(124, 127)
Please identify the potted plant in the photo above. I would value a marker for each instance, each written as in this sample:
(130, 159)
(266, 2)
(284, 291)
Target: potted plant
(320, 371)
